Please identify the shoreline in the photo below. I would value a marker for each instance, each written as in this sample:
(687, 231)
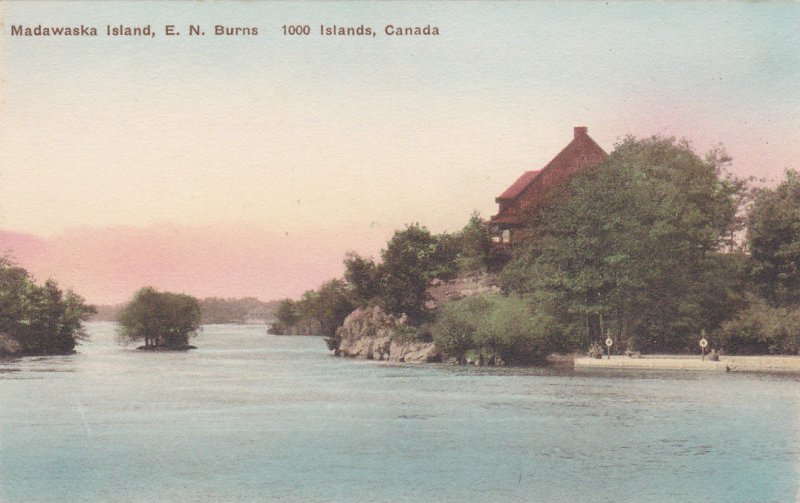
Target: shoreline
(757, 364)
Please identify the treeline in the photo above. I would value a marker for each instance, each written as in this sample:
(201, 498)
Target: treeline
(38, 319)
(245, 310)
(215, 310)
(412, 258)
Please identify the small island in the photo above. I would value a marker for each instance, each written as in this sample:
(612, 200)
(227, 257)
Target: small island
(165, 321)
(38, 320)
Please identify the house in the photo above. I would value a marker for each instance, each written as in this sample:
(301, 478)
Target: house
(582, 152)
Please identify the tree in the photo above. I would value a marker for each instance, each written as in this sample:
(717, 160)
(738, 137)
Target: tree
(364, 276)
(412, 258)
(632, 248)
(287, 313)
(42, 319)
(774, 241)
(333, 304)
(474, 245)
(160, 319)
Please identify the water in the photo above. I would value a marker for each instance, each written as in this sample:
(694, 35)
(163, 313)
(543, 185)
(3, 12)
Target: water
(251, 417)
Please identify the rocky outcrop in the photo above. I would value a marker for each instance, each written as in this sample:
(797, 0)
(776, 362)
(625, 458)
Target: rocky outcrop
(372, 334)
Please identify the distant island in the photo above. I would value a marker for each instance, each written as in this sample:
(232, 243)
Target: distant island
(214, 310)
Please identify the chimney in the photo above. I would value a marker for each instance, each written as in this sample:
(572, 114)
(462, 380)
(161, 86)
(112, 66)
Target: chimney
(581, 131)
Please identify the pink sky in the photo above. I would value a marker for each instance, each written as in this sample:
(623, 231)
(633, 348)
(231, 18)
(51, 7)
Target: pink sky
(107, 266)
(249, 165)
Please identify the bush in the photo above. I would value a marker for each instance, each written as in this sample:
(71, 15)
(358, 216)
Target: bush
(762, 329)
(494, 326)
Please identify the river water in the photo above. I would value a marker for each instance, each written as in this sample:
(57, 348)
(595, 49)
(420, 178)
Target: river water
(253, 417)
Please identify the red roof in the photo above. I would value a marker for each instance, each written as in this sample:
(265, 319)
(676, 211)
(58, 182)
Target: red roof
(579, 154)
(518, 186)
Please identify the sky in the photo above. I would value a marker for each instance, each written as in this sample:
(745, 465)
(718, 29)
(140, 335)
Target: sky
(248, 166)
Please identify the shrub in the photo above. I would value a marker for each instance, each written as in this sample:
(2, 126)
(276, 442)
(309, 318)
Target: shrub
(494, 326)
(762, 329)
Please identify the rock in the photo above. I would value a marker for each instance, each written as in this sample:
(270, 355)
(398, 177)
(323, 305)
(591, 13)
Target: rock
(367, 334)
(414, 352)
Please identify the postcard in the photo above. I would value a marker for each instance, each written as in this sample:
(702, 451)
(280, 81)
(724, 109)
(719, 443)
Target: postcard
(399, 251)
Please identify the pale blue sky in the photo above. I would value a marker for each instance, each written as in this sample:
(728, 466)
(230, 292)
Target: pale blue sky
(496, 93)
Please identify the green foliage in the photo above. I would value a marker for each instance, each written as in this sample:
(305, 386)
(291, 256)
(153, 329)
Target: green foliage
(43, 319)
(287, 312)
(474, 245)
(631, 248)
(762, 329)
(331, 306)
(492, 326)
(364, 276)
(319, 312)
(774, 241)
(160, 319)
(412, 258)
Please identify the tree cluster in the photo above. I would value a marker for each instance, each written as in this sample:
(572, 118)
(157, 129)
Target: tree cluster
(318, 312)
(412, 258)
(42, 319)
(643, 248)
(163, 320)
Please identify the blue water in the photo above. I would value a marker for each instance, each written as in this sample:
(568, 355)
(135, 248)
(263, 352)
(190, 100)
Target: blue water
(252, 417)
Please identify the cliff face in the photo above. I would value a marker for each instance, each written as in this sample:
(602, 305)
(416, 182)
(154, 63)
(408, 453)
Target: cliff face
(367, 333)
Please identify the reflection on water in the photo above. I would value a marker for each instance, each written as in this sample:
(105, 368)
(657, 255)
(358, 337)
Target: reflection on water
(251, 417)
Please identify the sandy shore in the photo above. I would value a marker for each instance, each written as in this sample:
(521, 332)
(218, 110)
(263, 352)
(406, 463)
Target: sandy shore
(768, 364)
